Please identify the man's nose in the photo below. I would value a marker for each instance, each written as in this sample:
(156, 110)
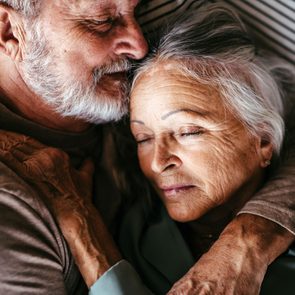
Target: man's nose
(164, 159)
(130, 41)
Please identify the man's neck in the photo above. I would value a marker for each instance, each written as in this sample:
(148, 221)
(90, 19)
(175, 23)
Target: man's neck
(15, 94)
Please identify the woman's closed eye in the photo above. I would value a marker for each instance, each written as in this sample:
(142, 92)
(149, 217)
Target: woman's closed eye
(189, 134)
(143, 139)
(195, 131)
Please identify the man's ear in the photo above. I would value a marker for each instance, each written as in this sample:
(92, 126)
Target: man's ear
(11, 32)
(265, 151)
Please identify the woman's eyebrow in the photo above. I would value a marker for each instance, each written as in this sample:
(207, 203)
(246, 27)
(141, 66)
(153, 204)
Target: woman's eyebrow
(199, 112)
(137, 122)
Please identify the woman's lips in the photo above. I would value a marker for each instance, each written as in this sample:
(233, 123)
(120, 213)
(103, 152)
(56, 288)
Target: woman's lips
(172, 191)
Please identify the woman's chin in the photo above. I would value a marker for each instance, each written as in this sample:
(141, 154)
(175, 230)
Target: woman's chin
(184, 215)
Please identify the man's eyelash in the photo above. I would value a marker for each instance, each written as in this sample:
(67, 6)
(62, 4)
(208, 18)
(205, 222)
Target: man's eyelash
(108, 20)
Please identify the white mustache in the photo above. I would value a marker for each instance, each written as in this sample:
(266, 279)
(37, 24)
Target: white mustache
(123, 65)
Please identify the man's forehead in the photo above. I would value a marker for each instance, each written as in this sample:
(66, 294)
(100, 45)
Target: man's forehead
(82, 4)
(94, 4)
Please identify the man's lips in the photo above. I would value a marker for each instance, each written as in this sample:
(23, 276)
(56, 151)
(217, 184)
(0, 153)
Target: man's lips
(117, 74)
(172, 191)
(114, 77)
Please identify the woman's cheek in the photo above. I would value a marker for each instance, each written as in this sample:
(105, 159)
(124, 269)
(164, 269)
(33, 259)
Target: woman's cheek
(144, 162)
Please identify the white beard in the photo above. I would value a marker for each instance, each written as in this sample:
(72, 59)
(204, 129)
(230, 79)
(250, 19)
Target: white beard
(66, 97)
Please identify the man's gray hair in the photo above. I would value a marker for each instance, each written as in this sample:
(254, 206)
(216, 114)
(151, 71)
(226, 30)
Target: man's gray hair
(211, 46)
(26, 7)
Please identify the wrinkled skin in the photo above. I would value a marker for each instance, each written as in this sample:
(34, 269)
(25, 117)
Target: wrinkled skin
(226, 269)
(49, 170)
(188, 144)
(68, 192)
(237, 262)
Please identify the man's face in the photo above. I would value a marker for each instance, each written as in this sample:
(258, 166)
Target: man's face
(77, 56)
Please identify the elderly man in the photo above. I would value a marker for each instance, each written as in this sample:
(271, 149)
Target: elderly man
(63, 66)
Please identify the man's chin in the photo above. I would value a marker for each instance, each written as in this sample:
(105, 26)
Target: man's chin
(99, 117)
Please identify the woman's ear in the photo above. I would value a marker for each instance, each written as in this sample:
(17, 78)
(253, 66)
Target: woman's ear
(11, 33)
(265, 151)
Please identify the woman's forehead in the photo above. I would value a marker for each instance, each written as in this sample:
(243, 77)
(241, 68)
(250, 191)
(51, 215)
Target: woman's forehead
(172, 85)
(166, 92)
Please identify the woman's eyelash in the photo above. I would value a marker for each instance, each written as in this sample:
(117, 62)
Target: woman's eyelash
(192, 133)
(142, 141)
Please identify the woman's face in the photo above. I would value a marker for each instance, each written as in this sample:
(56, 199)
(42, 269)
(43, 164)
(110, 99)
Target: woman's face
(196, 154)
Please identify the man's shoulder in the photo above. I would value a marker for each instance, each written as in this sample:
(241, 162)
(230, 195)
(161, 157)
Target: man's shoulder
(32, 247)
(16, 188)
(18, 200)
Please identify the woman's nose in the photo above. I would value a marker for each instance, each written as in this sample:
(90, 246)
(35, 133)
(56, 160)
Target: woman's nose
(164, 159)
(130, 41)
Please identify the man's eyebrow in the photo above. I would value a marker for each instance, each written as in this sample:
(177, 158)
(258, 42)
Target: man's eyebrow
(201, 113)
(137, 121)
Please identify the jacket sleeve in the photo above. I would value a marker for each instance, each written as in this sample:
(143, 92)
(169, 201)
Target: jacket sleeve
(276, 200)
(121, 279)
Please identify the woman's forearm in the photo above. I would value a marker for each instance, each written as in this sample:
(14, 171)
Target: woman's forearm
(91, 244)
(248, 243)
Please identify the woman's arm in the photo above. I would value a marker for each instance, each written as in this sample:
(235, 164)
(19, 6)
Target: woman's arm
(248, 242)
(68, 192)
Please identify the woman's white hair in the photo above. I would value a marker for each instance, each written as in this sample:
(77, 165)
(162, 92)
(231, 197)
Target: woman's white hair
(212, 46)
(28, 8)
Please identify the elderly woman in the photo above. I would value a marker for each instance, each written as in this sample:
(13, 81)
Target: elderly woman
(207, 116)
(208, 126)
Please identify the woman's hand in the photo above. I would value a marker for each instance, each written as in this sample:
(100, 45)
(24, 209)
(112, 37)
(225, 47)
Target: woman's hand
(49, 171)
(68, 192)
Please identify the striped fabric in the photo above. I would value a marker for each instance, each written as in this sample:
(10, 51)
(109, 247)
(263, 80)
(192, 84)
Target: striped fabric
(155, 12)
(272, 22)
